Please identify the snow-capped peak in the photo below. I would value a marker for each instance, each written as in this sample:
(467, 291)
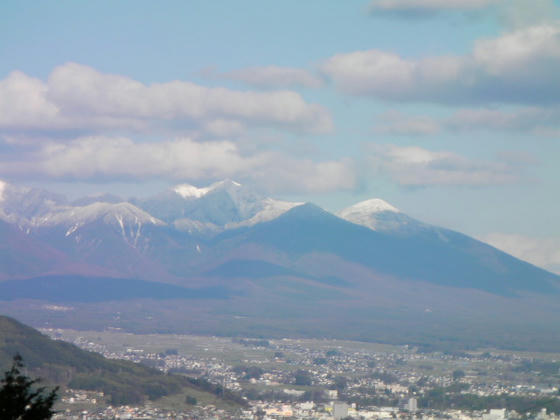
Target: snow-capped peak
(375, 205)
(376, 214)
(190, 191)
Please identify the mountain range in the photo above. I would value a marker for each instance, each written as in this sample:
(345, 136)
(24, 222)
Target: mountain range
(249, 264)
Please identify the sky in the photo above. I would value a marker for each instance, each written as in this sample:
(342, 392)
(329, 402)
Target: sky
(447, 109)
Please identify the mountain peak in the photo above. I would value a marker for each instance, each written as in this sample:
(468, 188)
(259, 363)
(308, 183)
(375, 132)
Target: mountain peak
(306, 211)
(379, 215)
(188, 191)
(374, 205)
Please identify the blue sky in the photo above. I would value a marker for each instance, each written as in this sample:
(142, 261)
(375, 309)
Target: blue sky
(447, 109)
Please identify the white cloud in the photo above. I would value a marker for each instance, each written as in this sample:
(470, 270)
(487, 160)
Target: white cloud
(224, 128)
(515, 53)
(416, 167)
(23, 102)
(118, 158)
(274, 77)
(421, 8)
(76, 97)
(543, 252)
(518, 67)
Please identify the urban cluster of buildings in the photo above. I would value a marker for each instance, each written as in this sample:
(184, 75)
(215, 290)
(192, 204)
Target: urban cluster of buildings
(338, 382)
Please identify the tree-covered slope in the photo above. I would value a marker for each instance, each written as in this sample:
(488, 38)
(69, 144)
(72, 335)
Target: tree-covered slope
(63, 363)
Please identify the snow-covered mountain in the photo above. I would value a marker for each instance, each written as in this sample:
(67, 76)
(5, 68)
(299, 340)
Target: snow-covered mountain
(33, 209)
(124, 217)
(19, 205)
(92, 232)
(184, 208)
(381, 216)
(223, 205)
(181, 231)
(287, 258)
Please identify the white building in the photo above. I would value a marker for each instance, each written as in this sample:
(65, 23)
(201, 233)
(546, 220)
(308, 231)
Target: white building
(340, 410)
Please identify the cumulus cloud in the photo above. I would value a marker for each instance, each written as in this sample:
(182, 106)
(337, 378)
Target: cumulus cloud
(425, 8)
(78, 96)
(520, 67)
(274, 77)
(23, 102)
(120, 158)
(417, 167)
(543, 252)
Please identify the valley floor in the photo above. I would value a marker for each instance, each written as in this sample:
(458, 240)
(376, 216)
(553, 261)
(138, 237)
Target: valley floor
(313, 378)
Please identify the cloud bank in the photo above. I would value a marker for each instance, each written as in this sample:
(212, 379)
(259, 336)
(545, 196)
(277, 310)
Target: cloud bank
(414, 166)
(520, 67)
(79, 97)
(120, 158)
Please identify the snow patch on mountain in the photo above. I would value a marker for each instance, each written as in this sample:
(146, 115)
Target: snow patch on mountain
(374, 205)
(19, 204)
(212, 209)
(271, 210)
(97, 198)
(378, 215)
(195, 226)
(209, 210)
(124, 218)
(114, 214)
(188, 191)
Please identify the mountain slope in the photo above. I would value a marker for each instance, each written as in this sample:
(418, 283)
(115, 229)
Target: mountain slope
(66, 364)
(22, 255)
(443, 257)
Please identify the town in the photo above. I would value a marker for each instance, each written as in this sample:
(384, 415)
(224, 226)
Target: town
(324, 379)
